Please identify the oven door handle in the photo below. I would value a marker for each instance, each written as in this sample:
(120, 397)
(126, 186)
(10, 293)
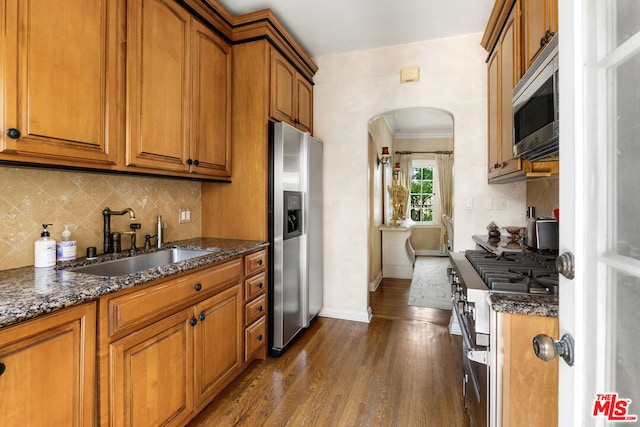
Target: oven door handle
(479, 356)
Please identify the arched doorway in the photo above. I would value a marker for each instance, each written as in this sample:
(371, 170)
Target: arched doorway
(415, 138)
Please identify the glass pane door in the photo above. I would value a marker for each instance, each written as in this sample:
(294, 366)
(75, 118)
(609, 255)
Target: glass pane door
(619, 79)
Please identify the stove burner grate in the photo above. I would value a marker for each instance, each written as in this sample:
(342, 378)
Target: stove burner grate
(516, 272)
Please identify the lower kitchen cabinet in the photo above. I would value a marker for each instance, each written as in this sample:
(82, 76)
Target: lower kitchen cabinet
(156, 369)
(218, 342)
(152, 371)
(47, 370)
(255, 309)
(168, 348)
(529, 385)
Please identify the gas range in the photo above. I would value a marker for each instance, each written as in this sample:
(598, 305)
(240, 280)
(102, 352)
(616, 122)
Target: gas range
(516, 272)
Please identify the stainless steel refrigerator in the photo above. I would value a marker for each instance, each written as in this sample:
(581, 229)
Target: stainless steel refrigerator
(295, 233)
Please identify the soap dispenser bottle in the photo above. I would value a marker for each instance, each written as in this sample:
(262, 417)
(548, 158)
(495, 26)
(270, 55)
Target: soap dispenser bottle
(44, 249)
(67, 249)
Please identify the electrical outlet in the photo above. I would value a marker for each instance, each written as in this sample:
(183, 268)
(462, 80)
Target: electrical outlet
(184, 215)
(501, 203)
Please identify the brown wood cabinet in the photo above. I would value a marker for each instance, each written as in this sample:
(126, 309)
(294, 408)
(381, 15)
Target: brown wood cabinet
(59, 88)
(504, 70)
(530, 385)
(245, 199)
(539, 25)
(152, 374)
(168, 348)
(178, 95)
(47, 370)
(291, 94)
(255, 319)
(218, 341)
(503, 74)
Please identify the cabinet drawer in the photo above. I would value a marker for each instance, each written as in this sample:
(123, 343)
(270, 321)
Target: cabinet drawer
(255, 286)
(254, 309)
(136, 307)
(255, 262)
(254, 337)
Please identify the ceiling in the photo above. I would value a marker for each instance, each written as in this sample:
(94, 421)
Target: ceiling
(419, 122)
(327, 27)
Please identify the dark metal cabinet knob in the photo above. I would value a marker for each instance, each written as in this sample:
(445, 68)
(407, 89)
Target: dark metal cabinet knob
(259, 262)
(548, 36)
(196, 162)
(189, 162)
(201, 317)
(13, 133)
(542, 42)
(260, 308)
(198, 287)
(193, 322)
(3, 368)
(260, 285)
(259, 337)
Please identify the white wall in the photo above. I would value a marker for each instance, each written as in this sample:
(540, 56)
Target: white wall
(353, 87)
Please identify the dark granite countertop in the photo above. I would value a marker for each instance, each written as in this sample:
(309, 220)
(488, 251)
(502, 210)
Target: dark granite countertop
(498, 245)
(28, 292)
(532, 305)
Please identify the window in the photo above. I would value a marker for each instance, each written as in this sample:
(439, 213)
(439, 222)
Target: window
(424, 205)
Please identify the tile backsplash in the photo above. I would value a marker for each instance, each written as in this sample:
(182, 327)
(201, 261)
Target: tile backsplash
(30, 197)
(543, 193)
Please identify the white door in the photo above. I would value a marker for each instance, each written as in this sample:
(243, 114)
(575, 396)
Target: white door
(600, 209)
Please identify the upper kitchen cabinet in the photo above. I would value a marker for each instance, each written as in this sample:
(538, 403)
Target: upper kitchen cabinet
(178, 92)
(269, 69)
(503, 73)
(210, 147)
(539, 25)
(291, 94)
(59, 76)
(503, 39)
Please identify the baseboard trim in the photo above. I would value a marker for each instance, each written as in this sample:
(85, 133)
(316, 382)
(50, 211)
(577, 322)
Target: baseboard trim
(373, 286)
(356, 316)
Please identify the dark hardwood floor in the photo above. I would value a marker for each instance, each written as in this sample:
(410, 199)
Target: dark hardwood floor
(401, 369)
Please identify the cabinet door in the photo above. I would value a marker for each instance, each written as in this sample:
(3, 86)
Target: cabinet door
(283, 86)
(218, 341)
(304, 105)
(509, 76)
(493, 110)
(524, 372)
(152, 374)
(60, 87)
(211, 118)
(158, 84)
(539, 17)
(47, 370)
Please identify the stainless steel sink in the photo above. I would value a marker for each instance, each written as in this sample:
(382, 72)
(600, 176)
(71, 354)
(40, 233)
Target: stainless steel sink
(135, 264)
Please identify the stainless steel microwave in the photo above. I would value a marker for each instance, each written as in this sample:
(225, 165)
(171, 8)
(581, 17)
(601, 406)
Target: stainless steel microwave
(535, 108)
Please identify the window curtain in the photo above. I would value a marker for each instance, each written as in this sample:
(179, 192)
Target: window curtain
(404, 178)
(444, 163)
